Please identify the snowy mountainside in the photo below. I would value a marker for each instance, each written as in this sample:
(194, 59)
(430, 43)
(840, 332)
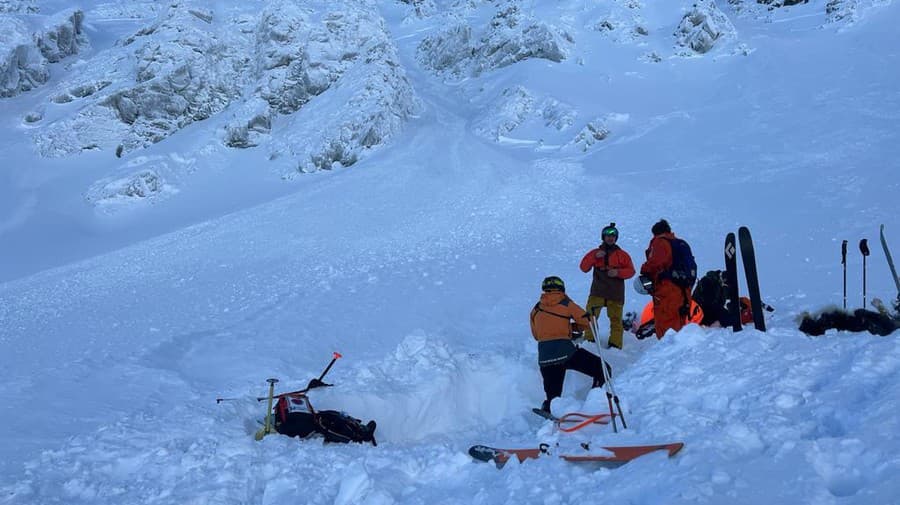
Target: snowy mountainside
(194, 62)
(209, 257)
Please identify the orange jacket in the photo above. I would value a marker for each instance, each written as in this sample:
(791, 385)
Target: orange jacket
(659, 256)
(696, 314)
(551, 317)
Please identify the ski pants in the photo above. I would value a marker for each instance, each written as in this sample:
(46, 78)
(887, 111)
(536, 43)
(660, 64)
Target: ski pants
(582, 361)
(594, 306)
(670, 307)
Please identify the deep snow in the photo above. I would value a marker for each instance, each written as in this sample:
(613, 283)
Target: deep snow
(420, 263)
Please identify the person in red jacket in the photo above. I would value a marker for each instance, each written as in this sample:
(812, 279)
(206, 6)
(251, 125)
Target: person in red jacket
(670, 302)
(553, 320)
(611, 266)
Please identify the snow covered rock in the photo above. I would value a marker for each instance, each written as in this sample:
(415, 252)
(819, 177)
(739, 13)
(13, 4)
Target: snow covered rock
(510, 37)
(144, 185)
(63, 36)
(622, 22)
(25, 53)
(181, 69)
(517, 107)
(850, 11)
(421, 8)
(192, 63)
(22, 67)
(597, 130)
(334, 72)
(18, 7)
(702, 28)
(369, 105)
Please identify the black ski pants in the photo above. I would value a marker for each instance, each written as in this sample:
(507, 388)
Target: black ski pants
(582, 361)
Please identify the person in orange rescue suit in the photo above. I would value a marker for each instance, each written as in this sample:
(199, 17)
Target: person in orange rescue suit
(611, 266)
(553, 320)
(670, 302)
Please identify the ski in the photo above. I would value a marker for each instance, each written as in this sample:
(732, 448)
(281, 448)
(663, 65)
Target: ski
(748, 256)
(731, 282)
(610, 457)
(890, 260)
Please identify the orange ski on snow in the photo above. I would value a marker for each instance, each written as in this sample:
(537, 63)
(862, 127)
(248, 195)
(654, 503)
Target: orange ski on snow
(612, 456)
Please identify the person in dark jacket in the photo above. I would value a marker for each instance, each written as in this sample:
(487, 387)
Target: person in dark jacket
(553, 319)
(611, 267)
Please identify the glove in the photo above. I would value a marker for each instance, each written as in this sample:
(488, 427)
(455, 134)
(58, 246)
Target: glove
(612, 272)
(600, 253)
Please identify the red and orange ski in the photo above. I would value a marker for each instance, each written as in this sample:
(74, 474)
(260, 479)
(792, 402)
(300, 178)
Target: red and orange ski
(610, 456)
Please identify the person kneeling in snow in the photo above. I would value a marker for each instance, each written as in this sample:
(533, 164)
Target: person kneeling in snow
(552, 326)
(295, 417)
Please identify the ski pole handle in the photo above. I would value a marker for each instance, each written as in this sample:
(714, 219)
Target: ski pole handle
(864, 247)
(335, 356)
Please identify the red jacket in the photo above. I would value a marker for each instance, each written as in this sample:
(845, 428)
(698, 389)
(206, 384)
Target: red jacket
(604, 286)
(659, 256)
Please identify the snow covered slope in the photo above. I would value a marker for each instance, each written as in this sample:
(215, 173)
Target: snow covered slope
(490, 142)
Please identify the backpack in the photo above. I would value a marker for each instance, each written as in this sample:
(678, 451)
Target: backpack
(684, 269)
(339, 427)
(711, 294)
(295, 417)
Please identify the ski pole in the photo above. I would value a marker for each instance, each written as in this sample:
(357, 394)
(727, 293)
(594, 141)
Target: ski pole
(864, 249)
(312, 384)
(844, 264)
(890, 260)
(612, 414)
(607, 379)
(267, 427)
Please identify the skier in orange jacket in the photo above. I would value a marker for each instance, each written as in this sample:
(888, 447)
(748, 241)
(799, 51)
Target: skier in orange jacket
(553, 320)
(671, 303)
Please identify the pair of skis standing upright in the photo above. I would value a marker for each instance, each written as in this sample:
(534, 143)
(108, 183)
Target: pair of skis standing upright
(748, 257)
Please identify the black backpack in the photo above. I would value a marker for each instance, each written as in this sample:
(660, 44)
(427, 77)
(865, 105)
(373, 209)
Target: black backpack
(684, 269)
(711, 294)
(295, 417)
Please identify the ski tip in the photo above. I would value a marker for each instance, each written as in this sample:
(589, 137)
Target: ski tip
(487, 455)
(675, 448)
(482, 452)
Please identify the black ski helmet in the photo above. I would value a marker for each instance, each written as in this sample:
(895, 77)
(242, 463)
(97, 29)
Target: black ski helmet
(610, 230)
(553, 283)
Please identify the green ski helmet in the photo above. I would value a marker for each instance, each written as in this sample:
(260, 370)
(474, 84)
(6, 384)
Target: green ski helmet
(553, 283)
(610, 230)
